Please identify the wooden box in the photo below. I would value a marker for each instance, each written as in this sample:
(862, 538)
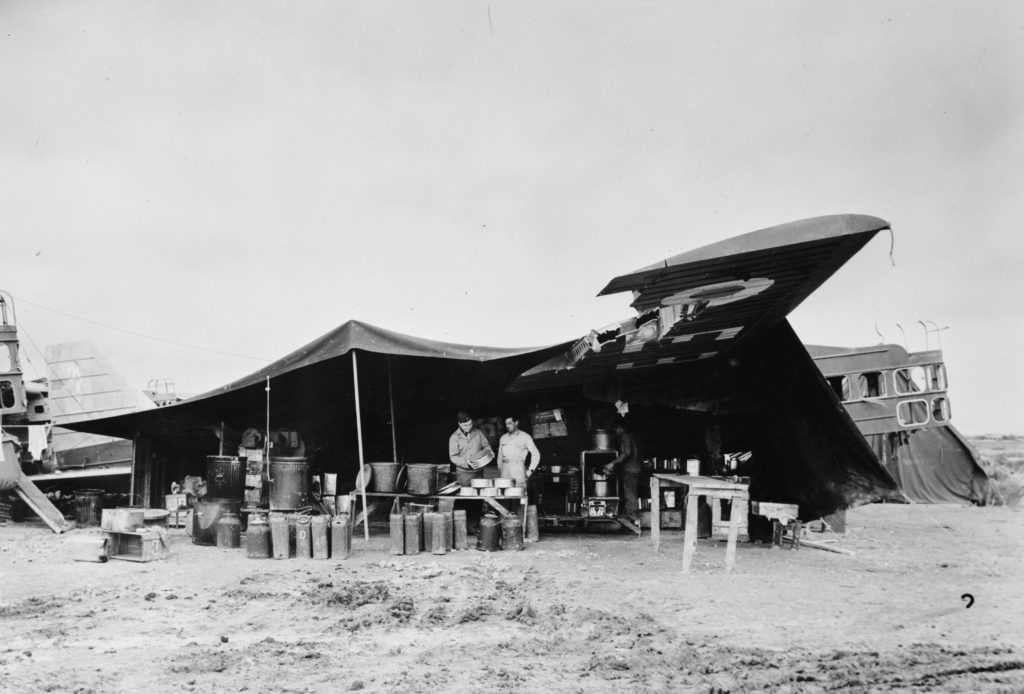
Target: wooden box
(141, 545)
(122, 520)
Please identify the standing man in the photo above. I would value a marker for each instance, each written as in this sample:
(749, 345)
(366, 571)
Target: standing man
(468, 450)
(628, 462)
(513, 448)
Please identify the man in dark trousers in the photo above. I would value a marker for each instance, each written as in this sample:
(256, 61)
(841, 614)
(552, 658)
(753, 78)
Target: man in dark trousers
(629, 466)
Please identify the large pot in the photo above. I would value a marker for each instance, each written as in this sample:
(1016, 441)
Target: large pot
(225, 477)
(603, 440)
(422, 478)
(603, 485)
(289, 483)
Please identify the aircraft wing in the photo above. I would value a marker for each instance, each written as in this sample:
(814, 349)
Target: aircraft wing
(701, 304)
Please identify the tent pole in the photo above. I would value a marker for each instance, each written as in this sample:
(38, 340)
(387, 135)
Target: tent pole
(391, 404)
(359, 437)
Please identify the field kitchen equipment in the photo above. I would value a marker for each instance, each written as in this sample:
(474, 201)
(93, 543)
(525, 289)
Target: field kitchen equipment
(289, 483)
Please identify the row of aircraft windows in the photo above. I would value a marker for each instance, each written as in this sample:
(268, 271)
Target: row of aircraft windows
(874, 384)
(912, 413)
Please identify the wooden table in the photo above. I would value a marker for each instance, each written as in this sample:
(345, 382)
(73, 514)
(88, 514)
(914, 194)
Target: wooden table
(491, 501)
(696, 487)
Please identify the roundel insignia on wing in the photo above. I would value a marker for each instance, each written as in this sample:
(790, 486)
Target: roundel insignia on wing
(719, 293)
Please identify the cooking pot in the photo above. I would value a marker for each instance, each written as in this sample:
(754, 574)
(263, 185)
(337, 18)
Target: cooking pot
(602, 440)
(603, 485)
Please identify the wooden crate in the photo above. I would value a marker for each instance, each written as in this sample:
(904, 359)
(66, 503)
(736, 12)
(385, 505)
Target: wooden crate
(122, 520)
(141, 545)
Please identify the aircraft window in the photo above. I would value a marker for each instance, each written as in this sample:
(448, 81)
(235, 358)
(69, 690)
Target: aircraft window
(940, 410)
(871, 384)
(912, 413)
(6, 395)
(937, 377)
(841, 386)
(911, 380)
(6, 361)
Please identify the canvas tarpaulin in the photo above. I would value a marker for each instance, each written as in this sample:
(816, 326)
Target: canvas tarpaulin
(934, 465)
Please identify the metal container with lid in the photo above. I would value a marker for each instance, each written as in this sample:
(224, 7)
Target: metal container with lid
(289, 483)
(603, 440)
(229, 531)
(207, 514)
(225, 477)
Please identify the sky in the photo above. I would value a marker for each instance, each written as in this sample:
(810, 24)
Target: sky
(244, 176)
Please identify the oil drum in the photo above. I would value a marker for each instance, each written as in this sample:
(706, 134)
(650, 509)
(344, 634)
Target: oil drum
(489, 534)
(225, 477)
(88, 506)
(289, 483)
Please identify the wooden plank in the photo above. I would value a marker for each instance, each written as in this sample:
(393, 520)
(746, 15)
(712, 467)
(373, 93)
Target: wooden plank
(690, 540)
(655, 512)
(734, 531)
(41, 505)
(365, 513)
(821, 545)
(629, 525)
(502, 511)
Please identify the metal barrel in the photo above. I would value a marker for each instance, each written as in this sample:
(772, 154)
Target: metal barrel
(88, 506)
(225, 477)
(289, 483)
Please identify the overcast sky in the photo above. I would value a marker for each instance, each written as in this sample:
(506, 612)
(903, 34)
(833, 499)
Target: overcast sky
(245, 176)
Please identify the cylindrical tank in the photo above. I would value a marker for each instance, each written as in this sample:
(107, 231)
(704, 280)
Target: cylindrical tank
(460, 533)
(413, 532)
(602, 485)
(225, 477)
(489, 534)
(532, 524)
(319, 536)
(88, 506)
(229, 530)
(397, 533)
(257, 538)
(303, 537)
(289, 483)
(512, 533)
(205, 516)
(281, 536)
(603, 440)
(341, 536)
(384, 476)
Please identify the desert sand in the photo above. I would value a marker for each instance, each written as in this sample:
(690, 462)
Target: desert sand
(571, 613)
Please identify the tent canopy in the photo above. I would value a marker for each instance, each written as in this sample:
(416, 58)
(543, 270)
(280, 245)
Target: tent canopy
(317, 378)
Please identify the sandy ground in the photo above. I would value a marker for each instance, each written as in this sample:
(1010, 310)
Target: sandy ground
(572, 613)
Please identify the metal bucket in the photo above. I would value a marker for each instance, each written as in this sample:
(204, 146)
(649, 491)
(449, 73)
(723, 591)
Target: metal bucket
(225, 477)
(384, 477)
(289, 483)
(88, 506)
(207, 514)
(422, 478)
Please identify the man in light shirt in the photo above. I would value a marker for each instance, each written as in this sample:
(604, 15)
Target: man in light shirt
(513, 448)
(468, 450)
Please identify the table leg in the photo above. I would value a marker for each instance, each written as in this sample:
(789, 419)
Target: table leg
(690, 540)
(734, 531)
(655, 512)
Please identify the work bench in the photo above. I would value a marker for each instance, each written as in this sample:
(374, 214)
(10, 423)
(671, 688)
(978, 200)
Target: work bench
(443, 500)
(714, 490)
